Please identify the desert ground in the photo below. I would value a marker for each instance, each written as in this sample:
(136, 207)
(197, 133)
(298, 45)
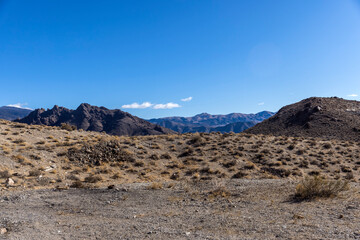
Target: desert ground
(58, 183)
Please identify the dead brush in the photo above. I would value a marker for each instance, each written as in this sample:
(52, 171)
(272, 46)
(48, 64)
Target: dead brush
(196, 140)
(35, 173)
(316, 187)
(68, 127)
(5, 174)
(93, 179)
(219, 192)
(77, 184)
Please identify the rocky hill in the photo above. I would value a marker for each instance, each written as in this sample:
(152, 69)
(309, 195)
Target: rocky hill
(93, 118)
(329, 118)
(204, 122)
(12, 113)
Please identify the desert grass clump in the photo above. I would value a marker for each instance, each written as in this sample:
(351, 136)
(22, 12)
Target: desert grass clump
(187, 152)
(72, 177)
(116, 176)
(20, 159)
(93, 179)
(5, 174)
(327, 145)
(239, 174)
(19, 141)
(165, 156)
(67, 127)
(77, 184)
(196, 140)
(6, 150)
(220, 192)
(316, 187)
(35, 173)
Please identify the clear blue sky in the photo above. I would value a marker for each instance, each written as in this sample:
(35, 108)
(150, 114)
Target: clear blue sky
(229, 56)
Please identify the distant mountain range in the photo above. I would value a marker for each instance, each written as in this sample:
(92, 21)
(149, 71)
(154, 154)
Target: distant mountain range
(12, 113)
(204, 122)
(93, 118)
(329, 118)
(117, 122)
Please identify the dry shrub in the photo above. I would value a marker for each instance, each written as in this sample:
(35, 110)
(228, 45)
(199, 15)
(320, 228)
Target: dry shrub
(35, 173)
(93, 179)
(77, 184)
(165, 156)
(67, 127)
(229, 164)
(5, 174)
(239, 174)
(327, 145)
(188, 152)
(116, 176)
(72, 177)
(196, 140)
(219, 192)
(317, 187)
(18, 141)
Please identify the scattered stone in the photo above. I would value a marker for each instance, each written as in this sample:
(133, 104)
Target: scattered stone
(3, 231)
(48, 169)
(10, 182)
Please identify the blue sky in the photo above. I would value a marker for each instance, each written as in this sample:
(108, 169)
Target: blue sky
(229, 56)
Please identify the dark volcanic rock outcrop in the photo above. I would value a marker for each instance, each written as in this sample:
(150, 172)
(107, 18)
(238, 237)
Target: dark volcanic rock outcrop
(92, 118)
(329, 118)
(11, 113)
(204, 122)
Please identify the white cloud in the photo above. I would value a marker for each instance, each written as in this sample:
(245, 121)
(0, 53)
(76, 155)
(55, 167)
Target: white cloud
(187, 99)
(144, 105)
(352, 95)
(169, 105)
(261, 103)
(19, 105)
(138, 106)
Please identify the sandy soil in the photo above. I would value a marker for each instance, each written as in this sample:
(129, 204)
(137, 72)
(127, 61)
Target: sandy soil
(234, 209)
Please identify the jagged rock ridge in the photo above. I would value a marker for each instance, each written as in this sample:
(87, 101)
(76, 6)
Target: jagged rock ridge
(93, 118)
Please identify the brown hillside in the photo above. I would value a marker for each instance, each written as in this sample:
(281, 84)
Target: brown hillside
(50, 157)
(328, 118)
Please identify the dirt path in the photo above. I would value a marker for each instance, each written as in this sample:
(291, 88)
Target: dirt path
(240, 209)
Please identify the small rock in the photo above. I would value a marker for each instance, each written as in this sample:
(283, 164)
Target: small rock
(187, 233)
(9, 182)
(317, 109)
(48, 169)
(124, 189)
(3, 231)
(111, 186)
